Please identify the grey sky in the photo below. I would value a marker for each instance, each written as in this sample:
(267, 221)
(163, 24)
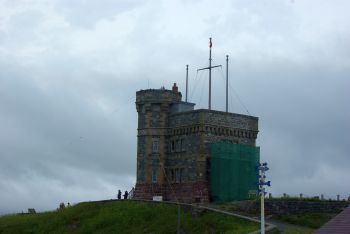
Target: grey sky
(69, 71)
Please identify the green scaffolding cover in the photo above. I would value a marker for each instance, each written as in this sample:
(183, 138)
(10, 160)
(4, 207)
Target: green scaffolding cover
(233, 174)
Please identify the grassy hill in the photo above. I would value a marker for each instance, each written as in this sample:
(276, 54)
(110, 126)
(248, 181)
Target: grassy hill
(123, 217)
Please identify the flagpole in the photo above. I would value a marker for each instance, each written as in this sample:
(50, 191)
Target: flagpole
(226, 83)
(186, 81)
(210, 44)
(209, 68)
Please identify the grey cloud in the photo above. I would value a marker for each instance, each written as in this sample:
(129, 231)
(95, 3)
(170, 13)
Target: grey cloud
(69, 73)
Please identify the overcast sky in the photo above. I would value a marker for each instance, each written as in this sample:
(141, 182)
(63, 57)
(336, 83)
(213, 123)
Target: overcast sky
(69, 71)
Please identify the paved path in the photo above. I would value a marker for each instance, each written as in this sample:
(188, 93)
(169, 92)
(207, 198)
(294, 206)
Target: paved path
(283, 226)
(340, 224)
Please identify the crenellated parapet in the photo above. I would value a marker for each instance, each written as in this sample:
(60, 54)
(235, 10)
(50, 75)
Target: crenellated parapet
(160, 96)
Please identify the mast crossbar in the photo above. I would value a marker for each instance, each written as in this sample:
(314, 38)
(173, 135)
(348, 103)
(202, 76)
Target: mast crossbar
(208, 67)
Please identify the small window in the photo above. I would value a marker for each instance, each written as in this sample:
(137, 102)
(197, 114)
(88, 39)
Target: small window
(154, 175)
(142, 108)
(178, 146)
(177, 175)
(172, 146)
(183, 147)
(155, 146)
(172, 175)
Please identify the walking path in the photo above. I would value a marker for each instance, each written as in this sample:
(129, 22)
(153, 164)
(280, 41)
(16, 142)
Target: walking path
(340, 224)
(283, 226)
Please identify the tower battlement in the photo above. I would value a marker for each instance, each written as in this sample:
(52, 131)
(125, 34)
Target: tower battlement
(165, 96)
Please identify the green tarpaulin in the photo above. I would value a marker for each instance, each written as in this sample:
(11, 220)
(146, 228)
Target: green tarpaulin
(233, 174)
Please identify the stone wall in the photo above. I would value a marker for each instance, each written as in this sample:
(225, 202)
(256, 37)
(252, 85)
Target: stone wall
(199, 129)
(188, 192)
(275, 207)
(216, 126)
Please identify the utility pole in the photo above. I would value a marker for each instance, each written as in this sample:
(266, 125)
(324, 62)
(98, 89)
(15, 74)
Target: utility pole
(209, 68)
(186, 81)
(227, 83)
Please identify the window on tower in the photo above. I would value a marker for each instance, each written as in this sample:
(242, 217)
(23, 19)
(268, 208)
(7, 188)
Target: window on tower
(142, 108)
(155, 146)
(183, 147)
(172, 146)
(178, 146)
(154, 175)
(177, 175)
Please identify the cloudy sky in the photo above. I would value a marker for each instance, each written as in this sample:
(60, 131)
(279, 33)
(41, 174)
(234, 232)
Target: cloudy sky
(69, 71)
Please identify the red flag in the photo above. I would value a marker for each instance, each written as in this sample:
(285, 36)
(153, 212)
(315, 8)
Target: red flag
(210, 44)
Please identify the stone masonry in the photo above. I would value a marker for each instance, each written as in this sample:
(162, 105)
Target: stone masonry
(173, 144)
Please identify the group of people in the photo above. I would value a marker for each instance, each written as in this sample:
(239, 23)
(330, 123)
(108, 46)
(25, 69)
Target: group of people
(62, 205)
(120, 195)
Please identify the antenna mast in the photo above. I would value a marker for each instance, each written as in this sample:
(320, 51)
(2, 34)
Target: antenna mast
(186, 81)
(209, 68)
(226, 83)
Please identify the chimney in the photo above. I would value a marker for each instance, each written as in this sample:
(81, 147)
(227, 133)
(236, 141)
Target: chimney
(175, 88)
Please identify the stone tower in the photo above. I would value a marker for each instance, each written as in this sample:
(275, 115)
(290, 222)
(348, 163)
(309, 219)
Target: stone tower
(153, 107)
(175, 146)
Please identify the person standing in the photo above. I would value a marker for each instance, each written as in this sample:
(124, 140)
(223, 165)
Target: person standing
(119, 194)
(126, 194)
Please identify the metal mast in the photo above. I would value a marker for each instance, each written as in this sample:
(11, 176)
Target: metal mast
(186, 81)
(226, 83)
(209, 101)
(209, 68)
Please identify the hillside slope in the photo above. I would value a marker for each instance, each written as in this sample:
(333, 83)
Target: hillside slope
(123, 217)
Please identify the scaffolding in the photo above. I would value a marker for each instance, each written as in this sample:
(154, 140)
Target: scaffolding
(233, 174)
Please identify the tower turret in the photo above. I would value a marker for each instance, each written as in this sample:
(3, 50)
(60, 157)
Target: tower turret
(153, 107)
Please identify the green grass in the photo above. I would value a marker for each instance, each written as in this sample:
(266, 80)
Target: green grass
(304, 199)
(123, 217)
(311, 220)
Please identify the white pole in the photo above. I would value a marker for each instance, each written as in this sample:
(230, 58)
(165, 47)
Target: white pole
(262, 212)
(263, 168)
